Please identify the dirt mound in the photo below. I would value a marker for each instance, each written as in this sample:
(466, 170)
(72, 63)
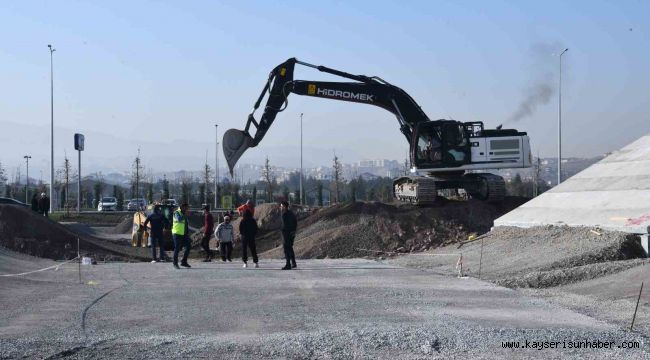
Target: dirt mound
(341, 230)
(24, 231)
(268, 216)
(125, 226)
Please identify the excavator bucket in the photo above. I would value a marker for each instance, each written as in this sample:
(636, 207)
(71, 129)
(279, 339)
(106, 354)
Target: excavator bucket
(235, 143)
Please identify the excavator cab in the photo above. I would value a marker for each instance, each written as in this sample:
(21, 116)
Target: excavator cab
(440, 144)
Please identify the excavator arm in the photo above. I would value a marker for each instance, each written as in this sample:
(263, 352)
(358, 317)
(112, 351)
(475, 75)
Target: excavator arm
(366, 90)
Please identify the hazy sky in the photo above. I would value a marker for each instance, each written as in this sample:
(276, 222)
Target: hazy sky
(158, 75)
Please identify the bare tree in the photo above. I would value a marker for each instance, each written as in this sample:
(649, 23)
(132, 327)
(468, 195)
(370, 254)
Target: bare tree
(269, 178)
(207, 175)
(3, 179)
(98, 189)
(337, 172)
(165, 188)
(136, 176)
(186, 190)
(64, 174)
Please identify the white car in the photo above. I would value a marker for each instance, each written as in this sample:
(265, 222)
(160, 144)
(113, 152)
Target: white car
(137, 205)
(107, 204)
(171, 202)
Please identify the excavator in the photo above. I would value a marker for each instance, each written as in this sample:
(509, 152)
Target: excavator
(444, 154)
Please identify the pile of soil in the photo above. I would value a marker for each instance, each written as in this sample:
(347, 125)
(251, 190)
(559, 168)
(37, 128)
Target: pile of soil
(343, 230)
(25, 231)
(268, 217)
(125, 226)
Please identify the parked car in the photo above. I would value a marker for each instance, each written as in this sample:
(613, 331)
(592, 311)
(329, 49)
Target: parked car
(10, 201)
(108, 203)
(170, 202)
(137, 205)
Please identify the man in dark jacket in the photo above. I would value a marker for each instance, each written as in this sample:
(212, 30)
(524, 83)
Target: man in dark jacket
(158, 223)
(208, 228)
(44, 204)
(248, 230)
(289, 227)
(35, 202)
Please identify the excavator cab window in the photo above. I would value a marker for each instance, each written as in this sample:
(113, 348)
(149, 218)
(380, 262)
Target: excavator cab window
(456, 144)
(429, 149)
(441, 144)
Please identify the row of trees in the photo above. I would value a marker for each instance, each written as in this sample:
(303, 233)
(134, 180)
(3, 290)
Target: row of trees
(200, 190)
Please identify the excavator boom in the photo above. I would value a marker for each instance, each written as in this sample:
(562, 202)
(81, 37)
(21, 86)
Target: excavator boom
(366, 90)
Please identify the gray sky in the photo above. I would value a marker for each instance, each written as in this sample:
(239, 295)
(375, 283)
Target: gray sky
(159, 75)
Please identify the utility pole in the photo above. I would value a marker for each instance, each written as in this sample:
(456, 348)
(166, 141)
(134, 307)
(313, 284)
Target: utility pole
(216, 165)
(559, 126)
(536, 177)
(79, 145)
(52, 50)
(302, 194)
(79, 182)
(27, 157)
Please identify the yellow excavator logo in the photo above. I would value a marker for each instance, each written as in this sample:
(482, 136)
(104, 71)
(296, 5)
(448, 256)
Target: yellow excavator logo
(283, 71)
(311, 89)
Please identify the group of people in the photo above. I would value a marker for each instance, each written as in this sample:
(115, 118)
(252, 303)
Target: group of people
(224, 233)
(41, 203)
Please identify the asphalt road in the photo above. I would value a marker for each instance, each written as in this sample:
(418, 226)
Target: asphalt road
(325, 309)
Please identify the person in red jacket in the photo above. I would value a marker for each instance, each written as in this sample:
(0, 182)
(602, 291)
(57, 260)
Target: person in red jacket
(208, 227)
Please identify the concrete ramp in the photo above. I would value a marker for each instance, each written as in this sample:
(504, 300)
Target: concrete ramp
(612, 194)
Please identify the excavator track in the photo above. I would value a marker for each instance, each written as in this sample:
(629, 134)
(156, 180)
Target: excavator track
(486, 187)
(417, 190)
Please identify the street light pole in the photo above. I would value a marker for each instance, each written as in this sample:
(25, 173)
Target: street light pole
(216, 164)
(559, 126)
(27, 157)
(52, 50)
(302, 194)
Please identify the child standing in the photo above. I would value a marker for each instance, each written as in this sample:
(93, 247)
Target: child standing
(225, 235)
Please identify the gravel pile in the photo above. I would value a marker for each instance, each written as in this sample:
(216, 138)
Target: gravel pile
(568, 275)
(537, 257)
(444, 341)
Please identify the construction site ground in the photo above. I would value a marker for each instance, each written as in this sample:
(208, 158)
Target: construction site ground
(374, 280)
(597, 273)
(350, 308)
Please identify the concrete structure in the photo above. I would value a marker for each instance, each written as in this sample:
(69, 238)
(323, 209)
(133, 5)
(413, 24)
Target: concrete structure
(612, 194)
